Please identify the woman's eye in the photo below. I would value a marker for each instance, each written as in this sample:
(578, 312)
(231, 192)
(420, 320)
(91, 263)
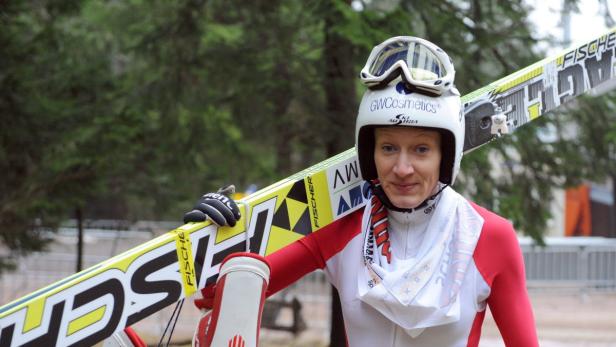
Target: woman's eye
(388, 148)
(423, 149)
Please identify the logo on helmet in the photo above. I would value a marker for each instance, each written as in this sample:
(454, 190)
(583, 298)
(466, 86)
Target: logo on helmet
(402, 119)
(401, 88)
(410, 103)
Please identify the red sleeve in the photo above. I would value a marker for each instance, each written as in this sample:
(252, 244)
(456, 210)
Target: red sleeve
(292, 262)
(303, 256)
(499, 260)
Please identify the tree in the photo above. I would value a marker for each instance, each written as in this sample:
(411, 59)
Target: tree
(54, 145)
(593, 147)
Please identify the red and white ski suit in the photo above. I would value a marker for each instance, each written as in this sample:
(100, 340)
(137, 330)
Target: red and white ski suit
(495, 277)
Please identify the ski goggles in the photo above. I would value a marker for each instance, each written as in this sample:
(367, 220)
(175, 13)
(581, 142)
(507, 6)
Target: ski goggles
(422, 65)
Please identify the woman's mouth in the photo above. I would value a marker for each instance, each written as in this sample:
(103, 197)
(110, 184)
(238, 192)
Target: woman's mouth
(405, 187)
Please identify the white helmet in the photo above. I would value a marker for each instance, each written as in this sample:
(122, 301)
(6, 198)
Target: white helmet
(398, 105)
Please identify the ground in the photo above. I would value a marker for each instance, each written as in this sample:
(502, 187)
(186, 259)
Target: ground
(567, 320)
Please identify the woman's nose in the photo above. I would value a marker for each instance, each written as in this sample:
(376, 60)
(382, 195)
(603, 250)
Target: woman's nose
(404, 166)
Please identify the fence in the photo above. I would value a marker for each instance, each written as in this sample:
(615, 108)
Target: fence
(584, 264)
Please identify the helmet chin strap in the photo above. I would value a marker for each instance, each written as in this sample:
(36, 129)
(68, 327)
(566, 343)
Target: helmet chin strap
(377, 190)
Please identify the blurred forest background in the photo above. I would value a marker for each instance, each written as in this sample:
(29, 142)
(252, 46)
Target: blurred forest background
(132, 109)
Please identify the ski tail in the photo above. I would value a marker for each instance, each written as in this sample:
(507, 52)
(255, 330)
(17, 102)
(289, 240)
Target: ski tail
(539, 88)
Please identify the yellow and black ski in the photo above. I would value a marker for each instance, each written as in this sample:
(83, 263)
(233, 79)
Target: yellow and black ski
(89, 306)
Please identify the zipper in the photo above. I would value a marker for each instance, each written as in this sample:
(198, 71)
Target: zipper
(395, 342)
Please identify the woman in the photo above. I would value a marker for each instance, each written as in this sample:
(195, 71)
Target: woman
(419, 264)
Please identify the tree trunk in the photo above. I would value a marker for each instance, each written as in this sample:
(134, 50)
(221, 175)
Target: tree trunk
(612, 231)
(339, 86)
(79, 218)
(341, 109)
(337, 335)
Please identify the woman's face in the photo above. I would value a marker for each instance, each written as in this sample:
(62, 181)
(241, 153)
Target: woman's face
(407, 162)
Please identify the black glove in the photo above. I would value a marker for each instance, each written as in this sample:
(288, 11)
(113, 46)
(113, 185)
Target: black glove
(218, 207)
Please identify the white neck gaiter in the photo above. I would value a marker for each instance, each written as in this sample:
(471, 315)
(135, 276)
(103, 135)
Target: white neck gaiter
(419, 288)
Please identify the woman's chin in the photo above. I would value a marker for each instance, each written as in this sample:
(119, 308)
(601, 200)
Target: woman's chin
(405, 202)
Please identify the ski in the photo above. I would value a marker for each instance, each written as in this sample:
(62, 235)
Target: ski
(90, 306)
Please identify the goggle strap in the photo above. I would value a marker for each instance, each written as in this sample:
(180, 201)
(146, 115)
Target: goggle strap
(409, 85)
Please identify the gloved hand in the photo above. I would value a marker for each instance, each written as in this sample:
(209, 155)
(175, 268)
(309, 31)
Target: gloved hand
(218, 207)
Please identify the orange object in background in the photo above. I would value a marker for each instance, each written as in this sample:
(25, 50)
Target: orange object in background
(577, 211)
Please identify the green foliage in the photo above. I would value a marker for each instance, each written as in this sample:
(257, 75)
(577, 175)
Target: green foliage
(51, 93)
